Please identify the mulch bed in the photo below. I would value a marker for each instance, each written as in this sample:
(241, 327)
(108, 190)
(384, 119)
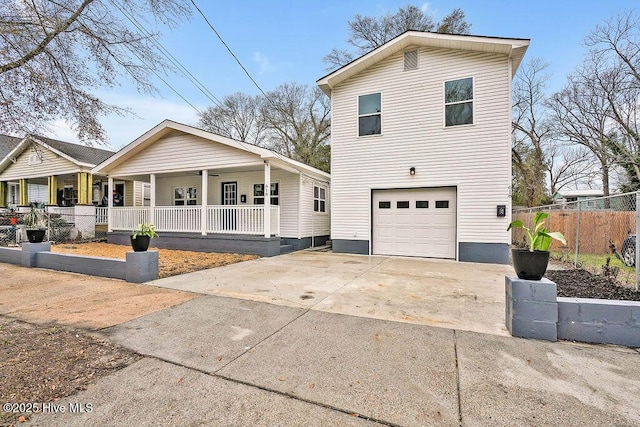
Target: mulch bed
(44, 363)
(578, 283)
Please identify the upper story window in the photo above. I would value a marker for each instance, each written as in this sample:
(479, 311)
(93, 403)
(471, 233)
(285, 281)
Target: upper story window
(319, 199)
(369, 114)
(258, 194)
(458, 102)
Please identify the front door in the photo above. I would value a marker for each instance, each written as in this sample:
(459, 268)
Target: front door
(229, 197)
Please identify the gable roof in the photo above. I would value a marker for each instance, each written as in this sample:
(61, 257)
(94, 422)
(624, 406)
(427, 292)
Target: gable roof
(512, 47)
(166, 127)
(80, 155)
(8, 143)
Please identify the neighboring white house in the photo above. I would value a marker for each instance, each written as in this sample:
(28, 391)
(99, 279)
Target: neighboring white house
(421, 147)
(207, 192)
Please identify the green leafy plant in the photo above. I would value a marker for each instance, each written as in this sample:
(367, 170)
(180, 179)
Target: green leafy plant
(145, 229)
(540, 237)
(35, 218)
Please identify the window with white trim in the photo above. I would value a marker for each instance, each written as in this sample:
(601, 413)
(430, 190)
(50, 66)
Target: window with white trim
(370, 114)
(458, 102)
(258, 194)
(184, 196)
(319, 199)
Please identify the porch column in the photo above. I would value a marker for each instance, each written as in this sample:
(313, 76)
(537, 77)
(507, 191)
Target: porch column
(109, 204)
(152, 201)
(267, 199)
(24, 192)
(83, 188)
(3, 194)
(52, 190)
(204, 197)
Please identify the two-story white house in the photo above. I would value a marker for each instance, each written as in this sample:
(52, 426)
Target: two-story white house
(421, 147)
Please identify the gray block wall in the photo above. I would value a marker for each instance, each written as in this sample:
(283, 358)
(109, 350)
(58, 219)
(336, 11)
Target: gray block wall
(599, 321)
(11, 256)
(531, 308)
(137, 268)
(228, 243)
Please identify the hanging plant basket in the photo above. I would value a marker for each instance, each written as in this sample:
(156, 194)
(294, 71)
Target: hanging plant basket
(529, 265)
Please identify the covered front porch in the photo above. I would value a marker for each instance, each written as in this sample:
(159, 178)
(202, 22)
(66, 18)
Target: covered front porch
(206, 192)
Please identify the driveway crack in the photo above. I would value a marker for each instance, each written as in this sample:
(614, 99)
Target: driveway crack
(455, 352)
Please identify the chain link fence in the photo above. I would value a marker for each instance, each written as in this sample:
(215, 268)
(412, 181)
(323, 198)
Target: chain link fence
(600, 234)
(61, 227)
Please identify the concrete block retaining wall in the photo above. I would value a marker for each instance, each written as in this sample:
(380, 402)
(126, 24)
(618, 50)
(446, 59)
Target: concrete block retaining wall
(533, 310)
(137, 268)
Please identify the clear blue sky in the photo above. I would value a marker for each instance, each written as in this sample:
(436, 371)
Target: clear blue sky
(282, 41)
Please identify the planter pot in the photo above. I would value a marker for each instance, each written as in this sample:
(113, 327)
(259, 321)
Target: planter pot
(529, 265)
(140, 243)
(35, 236)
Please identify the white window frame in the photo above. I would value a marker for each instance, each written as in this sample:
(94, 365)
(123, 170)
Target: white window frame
(368, 115)
(275, 184)
(318, 200)
(472, 101)
(186, 191)
(13, 193)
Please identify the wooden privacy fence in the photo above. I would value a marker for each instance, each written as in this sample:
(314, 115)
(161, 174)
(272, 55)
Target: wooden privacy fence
(596, 229)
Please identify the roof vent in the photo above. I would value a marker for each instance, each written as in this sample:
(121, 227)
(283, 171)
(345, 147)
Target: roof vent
(411, 60)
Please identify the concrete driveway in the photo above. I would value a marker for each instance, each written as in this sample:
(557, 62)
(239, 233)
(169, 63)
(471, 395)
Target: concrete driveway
(449, 294)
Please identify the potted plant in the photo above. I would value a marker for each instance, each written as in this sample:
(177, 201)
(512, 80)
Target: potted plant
(531, 263)
(35, 222)
(141, 237)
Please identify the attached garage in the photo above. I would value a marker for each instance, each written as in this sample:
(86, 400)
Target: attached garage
(415, 222)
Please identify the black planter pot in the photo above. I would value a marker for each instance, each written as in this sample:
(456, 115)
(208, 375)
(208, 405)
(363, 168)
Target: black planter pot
(35, 236)
(140, 243)
(529, 265)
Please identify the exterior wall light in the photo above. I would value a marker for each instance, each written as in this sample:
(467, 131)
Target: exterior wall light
(412, 171)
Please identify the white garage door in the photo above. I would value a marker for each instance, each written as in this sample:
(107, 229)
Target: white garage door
(415, 222)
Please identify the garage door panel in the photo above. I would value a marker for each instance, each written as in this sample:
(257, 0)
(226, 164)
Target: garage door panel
(415, 231)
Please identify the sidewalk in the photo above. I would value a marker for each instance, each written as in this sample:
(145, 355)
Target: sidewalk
(223, 361)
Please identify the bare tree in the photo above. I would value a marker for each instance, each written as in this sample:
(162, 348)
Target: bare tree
(55, 54)
(614, 70)
(237, 117)
(367, 33)
(570, 166)
(532, 131)
(298, 119)
(581, 113)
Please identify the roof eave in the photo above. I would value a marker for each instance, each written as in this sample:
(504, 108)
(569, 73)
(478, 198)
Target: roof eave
(514, 48)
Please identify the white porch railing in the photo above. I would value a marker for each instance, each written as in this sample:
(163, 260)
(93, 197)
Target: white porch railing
(177, 218)
(245, 219)
(128, 218)
(101, 215)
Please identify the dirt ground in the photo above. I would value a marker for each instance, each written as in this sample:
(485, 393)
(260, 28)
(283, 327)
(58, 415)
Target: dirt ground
(43, 363)
(48, 348)
(172, 262)
(579, 283)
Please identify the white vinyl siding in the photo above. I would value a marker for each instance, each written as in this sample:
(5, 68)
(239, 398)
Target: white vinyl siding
(181, 153)
(52, 164)
(313, 223)
(475, 159)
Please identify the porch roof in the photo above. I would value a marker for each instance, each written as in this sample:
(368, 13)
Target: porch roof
(166, 127)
